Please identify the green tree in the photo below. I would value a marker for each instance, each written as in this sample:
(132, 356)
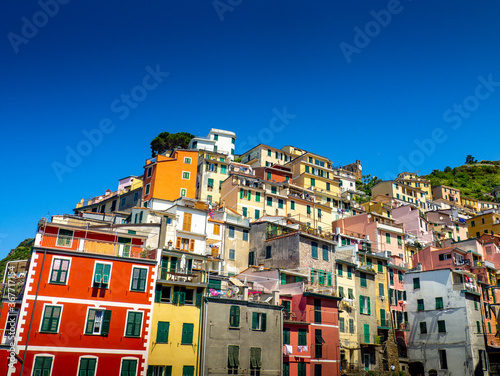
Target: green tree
(470, 159)
(367, 184)
(169, 141)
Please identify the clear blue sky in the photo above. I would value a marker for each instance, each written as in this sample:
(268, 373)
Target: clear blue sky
(235, 68)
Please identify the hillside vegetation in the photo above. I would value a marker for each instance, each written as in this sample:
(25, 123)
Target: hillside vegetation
(474, 180)
(21, 252)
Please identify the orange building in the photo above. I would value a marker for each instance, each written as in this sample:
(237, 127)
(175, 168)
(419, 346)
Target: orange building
(168, 178)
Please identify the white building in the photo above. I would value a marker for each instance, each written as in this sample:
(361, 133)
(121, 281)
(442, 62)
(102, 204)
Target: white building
(446, 327)
(218, 141)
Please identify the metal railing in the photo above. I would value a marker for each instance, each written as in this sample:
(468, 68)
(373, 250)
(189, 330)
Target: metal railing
(180, 275)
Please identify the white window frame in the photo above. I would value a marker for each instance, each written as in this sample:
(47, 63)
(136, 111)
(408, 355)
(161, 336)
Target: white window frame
(147, 189)
(87, 356)
(86, 320)
(132, 276)
(43, 314)
(129, 358)
(52, 268)
(189, 175)
(43, 356)
(140, 330)
(185, 192)
(149, 173)
(72, 238)
(187, 160)
(93, 273)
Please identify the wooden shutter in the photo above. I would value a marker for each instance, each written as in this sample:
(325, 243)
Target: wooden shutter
(162, 333)
(254, 320)
(253, 360)
(98, 273)
(199, 298)
(142, 279)
(106, 321)
(106, 273)
(191, 245)
(361, 304)
(89, 329)
(47, 315)
(158, 293)
(186, 224)
(137, 324)
(258, 356)
(130, 324)
(286, 336)
(168, 370)
(187, 333)
(135, 278)
(182, 297)
(369, 305)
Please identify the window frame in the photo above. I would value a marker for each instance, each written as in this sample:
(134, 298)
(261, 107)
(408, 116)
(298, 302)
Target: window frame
(44, 355)
(140, 267)
(107, 284)
(103, 310)
(260, 321)
(127, 322)
(158, 331)
(61, 258)
(96, 358)
(49, 331)
(129, 359)
(185, 325)
(186, 175)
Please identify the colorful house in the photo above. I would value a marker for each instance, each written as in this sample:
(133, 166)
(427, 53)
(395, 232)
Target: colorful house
(87, 303)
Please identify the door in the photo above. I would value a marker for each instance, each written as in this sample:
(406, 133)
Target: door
(366, 361)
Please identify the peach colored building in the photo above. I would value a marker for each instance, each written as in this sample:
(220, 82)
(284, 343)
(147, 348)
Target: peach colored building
(446, 193)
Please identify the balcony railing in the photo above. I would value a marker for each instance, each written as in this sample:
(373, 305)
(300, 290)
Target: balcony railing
(295, 316)
(180, 275)
(402, 326)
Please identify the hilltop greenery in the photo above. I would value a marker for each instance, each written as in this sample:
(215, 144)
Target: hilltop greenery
(474, 179)
(166, 141)
(21, 252)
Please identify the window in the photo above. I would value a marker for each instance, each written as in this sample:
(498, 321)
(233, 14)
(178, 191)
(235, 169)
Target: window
(308, 209)
(59, 272)
(231, 231)
(269, 201)
(216, 229)
(257, 214)
(259, 321)
(150, 172)
(400, 240)
(442, 359)
(98, 321)
(317, 311)
(292, 205)
(187, 334)
(439, 303)
(400, 274)
(231, 254)
(381, 289)
(350, 293)
(273, 189)
(351, 325)
(280, 203)
(318, 343)
(388, 238)
(475, 305)
(349, 272)
(102, 274)
(482, 360)
(302, 337)
(380, 267)
(301, 369)
(183, 192)
(43, 365)
(341, 325)
(245, 235)
(148, 187)
(233, 359)
(423, 327)
(257, 196)
(64, 238)
(416, 283)
(245, 212)
(365, 305)
(255, 360)
(391, 277)
(186, 175)
(234, 316)
(341, 292)
(162, 332)
(286, 336)
(139, 278)
(313, 182)
(339, 270)
(251, 258)
(87, 367)
(134, 324)
(420, 304)
(314, 250)
(286, 368)
(363, 279)
(129, 367)
(216, 137)
(186, 221)
(268, 252)
(327, 186)
(441, 326)
(318, 370)
(50, 321)
(325, 253)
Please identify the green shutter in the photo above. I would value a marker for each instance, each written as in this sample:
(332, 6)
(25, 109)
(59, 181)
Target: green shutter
(283, 278)
(241, 193)
(187, 334)
(312, 275)
(158, 294)
(175, 298)
(47, 317)
(361, 304)
(329, 278)
(150, 371)
(142, 279)
(286, 336)
(106, 273)
(98, 273)
(130, 324)
(173, 264)
(199, 298)
(162, 332)
(302, 337)
(106, 321)
(89, 329)
(168, 370)
(182, 297)
(254, 320)
(257, 196)
(369, 305)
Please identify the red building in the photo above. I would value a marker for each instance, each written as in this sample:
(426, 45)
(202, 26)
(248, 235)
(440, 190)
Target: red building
(86, 308)
(310, 335)
(275, 173)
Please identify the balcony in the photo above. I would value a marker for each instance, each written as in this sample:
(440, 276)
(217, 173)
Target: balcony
(384, 323)
(181, 276)
(296, 316)
(405, 326)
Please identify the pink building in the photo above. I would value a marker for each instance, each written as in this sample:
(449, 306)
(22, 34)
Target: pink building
(414, 224)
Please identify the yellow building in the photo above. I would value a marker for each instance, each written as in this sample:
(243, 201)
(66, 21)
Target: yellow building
(413, 180)
(488, 222)
(380, 208)
(470, 203)
(213, 169)
(263, 155)
(175, 335)
(402, 192)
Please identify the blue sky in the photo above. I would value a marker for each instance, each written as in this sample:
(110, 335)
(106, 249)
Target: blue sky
(398, 85)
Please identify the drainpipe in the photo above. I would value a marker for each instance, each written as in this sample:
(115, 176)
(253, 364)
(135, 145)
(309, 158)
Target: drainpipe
(202, 361)
(33, 310)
